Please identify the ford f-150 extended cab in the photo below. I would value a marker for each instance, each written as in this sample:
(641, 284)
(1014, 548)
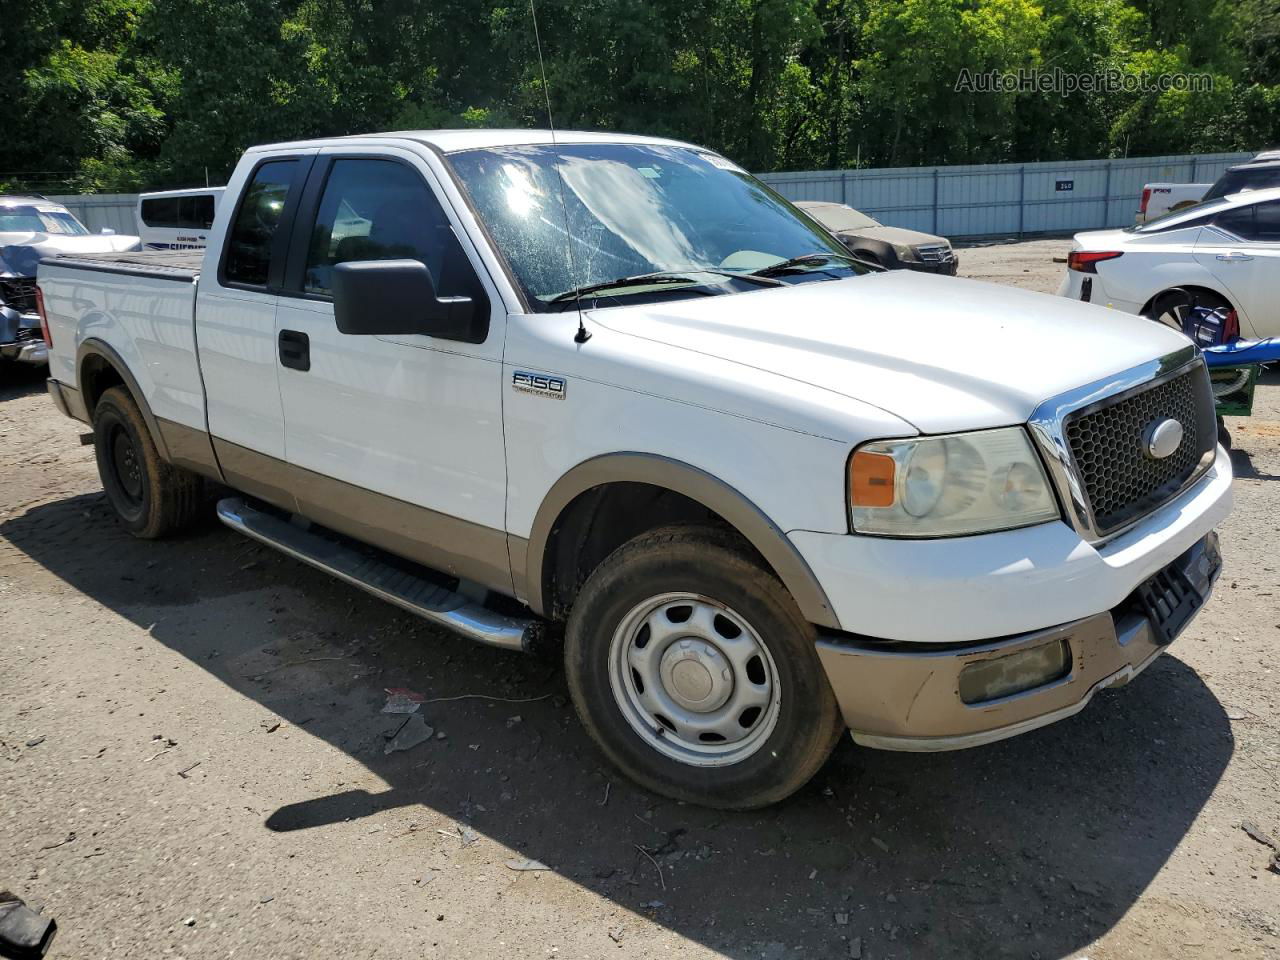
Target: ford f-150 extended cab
(510, 380)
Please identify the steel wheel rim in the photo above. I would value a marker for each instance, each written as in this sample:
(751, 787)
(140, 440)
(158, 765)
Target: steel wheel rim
(126, 465)
(694, 680)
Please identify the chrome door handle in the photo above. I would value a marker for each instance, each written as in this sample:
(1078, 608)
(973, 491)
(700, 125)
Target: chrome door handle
(1234, 256)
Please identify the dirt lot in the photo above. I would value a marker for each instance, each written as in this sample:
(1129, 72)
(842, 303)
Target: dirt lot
(192, 764)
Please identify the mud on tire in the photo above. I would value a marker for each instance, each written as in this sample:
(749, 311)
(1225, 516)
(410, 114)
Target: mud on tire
(150, 497)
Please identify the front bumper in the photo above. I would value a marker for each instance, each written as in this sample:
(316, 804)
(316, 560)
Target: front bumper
(34, 352)
(898, 696)
(20, 339)
(956, 589)
(945, 268)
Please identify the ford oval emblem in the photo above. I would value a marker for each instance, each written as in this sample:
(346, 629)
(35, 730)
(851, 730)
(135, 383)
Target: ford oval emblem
(1162, 438)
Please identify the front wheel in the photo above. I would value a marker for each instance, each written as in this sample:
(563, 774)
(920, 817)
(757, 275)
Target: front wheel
(696, 673)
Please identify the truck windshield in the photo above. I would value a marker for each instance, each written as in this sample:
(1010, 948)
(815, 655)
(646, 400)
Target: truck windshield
(636, 210)
(40, 218)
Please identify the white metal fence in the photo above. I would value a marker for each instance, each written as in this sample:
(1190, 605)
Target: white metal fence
(983, 200)
(1003, 199)
(116, 211)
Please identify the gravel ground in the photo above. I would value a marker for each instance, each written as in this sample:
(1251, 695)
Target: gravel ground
(193, 764)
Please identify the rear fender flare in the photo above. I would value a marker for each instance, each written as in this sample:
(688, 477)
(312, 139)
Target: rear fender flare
(93, 347)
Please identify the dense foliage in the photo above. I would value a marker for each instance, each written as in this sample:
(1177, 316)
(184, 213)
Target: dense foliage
(122, 94)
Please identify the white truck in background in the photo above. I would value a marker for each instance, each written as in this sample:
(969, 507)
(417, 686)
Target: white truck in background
(514, 380)
(1159, 199)
(177, 219)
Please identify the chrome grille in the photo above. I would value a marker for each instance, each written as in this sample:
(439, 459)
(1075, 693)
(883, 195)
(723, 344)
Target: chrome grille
(19, 293)
(1107, 444)
(935, 253)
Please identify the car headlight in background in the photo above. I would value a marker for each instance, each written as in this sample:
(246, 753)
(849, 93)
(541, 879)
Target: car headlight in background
(950, 485)
(905, 252)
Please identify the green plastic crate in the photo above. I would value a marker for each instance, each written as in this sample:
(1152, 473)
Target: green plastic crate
(1233, 389)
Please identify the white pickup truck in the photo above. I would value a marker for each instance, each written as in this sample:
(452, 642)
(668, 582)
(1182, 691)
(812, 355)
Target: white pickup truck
(510, 380)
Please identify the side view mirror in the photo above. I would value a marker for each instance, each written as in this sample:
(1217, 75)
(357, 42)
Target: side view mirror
(107, 232)
(381, 297)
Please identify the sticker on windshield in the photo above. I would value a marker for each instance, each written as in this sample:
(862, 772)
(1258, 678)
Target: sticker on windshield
(720, 163)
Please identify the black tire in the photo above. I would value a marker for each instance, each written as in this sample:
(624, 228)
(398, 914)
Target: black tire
(1171, 307)
(714, 565)
(1224, 435)
(150, 497)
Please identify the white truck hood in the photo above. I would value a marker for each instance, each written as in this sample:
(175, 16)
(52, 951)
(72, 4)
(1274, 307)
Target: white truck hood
(20, 252)
(942, 353)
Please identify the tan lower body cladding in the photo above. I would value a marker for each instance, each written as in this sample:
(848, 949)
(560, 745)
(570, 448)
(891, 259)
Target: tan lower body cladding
(902, 699)
(457, 547)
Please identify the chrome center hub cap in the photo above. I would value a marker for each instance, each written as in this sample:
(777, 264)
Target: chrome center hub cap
(694, 679)
(696, 675)
(1162, 438)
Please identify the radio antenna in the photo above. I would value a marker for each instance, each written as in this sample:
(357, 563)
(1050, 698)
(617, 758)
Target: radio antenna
(583, 334)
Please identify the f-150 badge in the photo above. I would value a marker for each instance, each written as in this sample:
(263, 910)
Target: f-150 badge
(542, 384)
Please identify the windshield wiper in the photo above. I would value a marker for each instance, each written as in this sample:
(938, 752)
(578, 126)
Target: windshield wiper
(661, 277)
(636, 280)
(798, 263)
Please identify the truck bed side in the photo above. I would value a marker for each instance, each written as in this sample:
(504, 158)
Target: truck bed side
(134, 312)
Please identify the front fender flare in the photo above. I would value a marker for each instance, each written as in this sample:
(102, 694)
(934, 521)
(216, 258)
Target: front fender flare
(696, 484)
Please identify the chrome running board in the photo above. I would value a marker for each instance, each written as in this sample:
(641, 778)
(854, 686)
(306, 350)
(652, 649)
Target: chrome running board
(366, 570)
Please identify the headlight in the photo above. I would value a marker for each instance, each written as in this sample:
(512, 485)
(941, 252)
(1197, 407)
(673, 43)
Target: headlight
(948, 486)
(904, 251)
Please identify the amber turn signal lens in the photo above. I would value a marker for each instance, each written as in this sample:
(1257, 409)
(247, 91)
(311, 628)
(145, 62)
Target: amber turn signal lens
(871, 480)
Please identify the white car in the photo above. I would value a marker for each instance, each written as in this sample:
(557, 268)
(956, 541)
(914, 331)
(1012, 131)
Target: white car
(1159, 199)
(1220, 253)
(507, 379)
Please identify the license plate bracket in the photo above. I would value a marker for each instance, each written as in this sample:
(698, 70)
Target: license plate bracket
(1171, 598)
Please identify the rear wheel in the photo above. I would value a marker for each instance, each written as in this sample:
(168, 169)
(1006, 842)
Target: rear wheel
(151, 498)
(1173, 307)
(696, 673)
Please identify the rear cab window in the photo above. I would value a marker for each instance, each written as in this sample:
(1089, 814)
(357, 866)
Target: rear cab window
(253, 255)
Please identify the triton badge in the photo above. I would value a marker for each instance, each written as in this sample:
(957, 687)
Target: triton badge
(541, 384)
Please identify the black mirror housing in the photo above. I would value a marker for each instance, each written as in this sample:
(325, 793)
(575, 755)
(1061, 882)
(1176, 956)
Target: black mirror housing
(398, 297)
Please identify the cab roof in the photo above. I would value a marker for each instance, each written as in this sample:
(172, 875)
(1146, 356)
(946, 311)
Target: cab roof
(453, 141)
